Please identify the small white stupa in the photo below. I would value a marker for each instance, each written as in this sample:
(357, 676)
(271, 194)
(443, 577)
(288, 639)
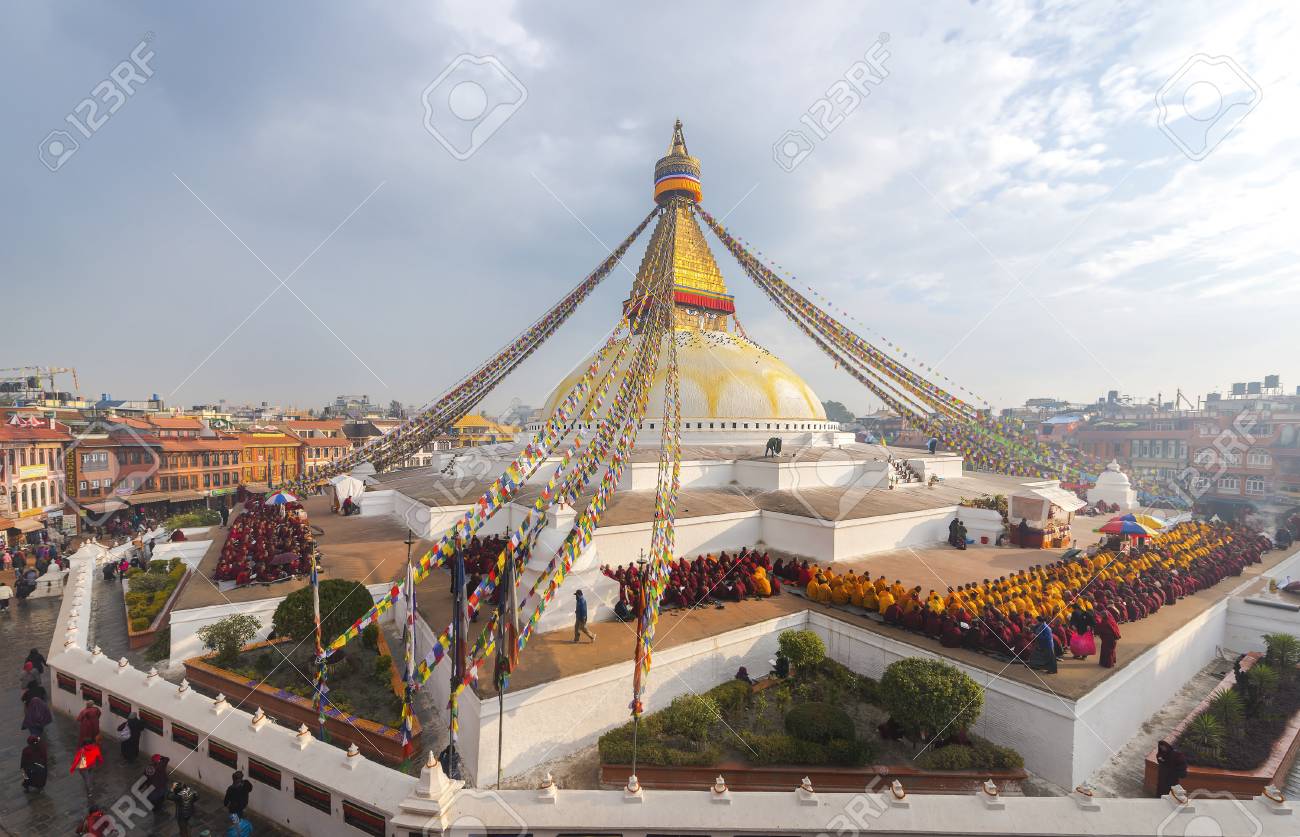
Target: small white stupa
(1113, 487)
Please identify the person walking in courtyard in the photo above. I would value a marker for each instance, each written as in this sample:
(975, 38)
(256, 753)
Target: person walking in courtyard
(5, 595)
(186, 799)
(1108, 630)
(580, 617)
(236, 799)
(37, 716)
(88, 723)
(1046, 644)
(239, 827)
(35, 758)
(128, 734)
(1172, 767)
(87, 758)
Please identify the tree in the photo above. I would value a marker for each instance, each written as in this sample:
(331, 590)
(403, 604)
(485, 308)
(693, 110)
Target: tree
(804, 649)
(227, 637)
(395, 408)
(925, 697)
(835, 411)
(342, 602)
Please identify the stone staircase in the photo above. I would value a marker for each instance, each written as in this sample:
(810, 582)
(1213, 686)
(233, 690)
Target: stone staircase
(903, 473)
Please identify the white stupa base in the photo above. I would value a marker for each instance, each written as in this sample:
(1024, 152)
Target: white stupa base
(1113, 488)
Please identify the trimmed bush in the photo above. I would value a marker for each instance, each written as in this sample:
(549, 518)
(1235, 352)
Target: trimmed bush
(992, 756)
(342, 602)
(849, 752)
(819, 723)
(690, 716)
(951, 757)
(868, 690)
(161, 648)
(804, 649)
(925, 696)
(652, 748)
(140, 623)
(766, 750)
(384, 669)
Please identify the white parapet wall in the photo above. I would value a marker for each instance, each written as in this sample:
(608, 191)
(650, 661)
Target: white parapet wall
(353, 786)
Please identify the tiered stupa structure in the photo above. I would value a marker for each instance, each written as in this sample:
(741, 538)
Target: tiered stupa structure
(732, 389)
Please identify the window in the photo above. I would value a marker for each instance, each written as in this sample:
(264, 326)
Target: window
(152, 721)
(1228, 484)
(364, 819)
(94, 485)
(264, 773)
(1254, 485)
(309, 794)
(1258, 457)
(223, 754)
(118, 706)
(81, 485)
(185, 737)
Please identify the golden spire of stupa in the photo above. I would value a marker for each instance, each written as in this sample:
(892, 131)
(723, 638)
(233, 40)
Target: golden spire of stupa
(698, 286)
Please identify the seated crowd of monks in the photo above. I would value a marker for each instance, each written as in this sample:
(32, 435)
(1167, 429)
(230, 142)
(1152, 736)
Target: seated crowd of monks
(265, 544)
(1081, 599)
(703, 580)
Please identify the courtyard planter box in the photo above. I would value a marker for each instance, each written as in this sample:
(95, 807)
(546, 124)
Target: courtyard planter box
(1243, 784)
(145, 638)
(782, 779)
(375, 740)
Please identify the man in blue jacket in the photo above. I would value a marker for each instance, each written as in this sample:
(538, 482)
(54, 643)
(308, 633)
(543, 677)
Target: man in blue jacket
(580, 618)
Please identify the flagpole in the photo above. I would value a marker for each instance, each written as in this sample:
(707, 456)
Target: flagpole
(507, 648)
(321, 687)
(408, 641)
(457, 661)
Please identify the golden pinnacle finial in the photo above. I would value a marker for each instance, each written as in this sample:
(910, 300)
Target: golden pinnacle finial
(677, 173)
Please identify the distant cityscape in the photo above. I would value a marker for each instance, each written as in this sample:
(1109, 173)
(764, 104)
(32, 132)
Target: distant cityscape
(65, 458)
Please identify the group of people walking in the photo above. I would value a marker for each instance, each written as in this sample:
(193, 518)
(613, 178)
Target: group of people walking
(35, 762)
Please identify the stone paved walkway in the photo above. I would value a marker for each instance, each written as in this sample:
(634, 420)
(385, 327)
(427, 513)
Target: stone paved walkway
(60, 807)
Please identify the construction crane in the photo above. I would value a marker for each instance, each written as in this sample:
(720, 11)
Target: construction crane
(28, 381)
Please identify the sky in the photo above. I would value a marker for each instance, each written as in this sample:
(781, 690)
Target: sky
(286, 202)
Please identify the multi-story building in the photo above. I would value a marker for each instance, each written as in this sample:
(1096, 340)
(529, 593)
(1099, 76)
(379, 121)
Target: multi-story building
(31, 475)
(110, 470)
(1246, 453)
(1151, 448)
(268, 457)
(199, 468)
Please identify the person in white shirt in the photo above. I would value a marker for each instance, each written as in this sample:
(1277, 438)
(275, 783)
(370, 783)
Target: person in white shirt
(5, 595)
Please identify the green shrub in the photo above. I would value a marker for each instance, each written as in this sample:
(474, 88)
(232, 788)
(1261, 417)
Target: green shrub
(731, 697)
(370, 637)
(1261, 687)
(849, 752)
(995, 757)
(384, 669)
(146, 584)
(868, 690)
(139, 623)
(1283, 650)
(690, 716)
(1228, 708)
(819, 723)
(342, 602)
(616, 747)
(194, 519)
(263, 664)
(227, 637)
(161, 648)
(1203, 738)
(925, 696)
(804, 649)
(951, 757)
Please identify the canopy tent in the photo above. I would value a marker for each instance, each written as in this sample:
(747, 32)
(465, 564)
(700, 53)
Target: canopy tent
(1046, 511)
(345, 486)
